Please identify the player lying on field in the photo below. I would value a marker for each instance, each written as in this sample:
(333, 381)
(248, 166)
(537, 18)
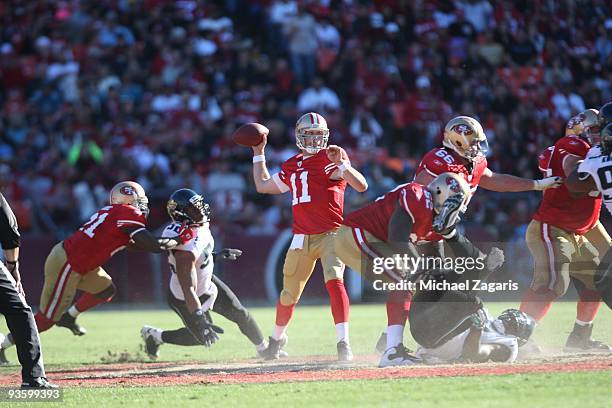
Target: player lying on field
(194, 290)
(76, 262)
(392, 224)
(565, 236)
(463, 152)
(452, 325)
(595, 174)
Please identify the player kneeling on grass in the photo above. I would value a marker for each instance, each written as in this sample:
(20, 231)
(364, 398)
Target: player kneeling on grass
(453, 326)
(76, 262)
(194, 290)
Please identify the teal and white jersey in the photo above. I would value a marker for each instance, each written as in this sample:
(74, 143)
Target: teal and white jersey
(201, 247)
(452, 350)
(598, 166)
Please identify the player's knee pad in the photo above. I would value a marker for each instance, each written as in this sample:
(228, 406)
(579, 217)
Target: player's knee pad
(287, 298)
(108, 293)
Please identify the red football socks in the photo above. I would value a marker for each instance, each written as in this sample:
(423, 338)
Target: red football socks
(339, 300)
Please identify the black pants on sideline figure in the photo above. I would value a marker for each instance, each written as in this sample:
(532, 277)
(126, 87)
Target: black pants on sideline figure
(21, 324)
(227, 305)
(437, 316)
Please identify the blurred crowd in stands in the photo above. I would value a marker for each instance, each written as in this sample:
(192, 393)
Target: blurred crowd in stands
(93, 92)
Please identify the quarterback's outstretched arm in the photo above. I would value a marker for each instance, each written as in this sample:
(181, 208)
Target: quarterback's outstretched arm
(263, 182)
(507, 183)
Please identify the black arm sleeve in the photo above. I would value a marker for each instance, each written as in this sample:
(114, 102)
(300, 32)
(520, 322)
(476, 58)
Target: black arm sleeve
(462, 246)
(9, 233)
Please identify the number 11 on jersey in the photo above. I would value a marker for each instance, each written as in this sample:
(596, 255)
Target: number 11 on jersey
(304, 197)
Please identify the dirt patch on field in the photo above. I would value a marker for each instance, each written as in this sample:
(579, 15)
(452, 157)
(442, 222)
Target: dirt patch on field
(297, 369)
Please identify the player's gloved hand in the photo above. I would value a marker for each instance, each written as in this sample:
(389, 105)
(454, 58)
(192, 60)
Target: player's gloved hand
(202, 328)
(228, 253)
(495, 259)
(548, 182)
(479, 319)
(449, 216)
(186, 234)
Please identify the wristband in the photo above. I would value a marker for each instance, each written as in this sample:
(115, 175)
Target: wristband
(259, 158)
(344, 167)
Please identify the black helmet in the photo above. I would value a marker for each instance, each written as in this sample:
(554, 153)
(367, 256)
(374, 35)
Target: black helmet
(606, 139)
(186, 205)
(605, 115)
(518, 324)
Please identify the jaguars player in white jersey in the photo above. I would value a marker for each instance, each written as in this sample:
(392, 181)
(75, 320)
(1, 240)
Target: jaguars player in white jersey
(484, 339)
(594, 174)
(194, 291)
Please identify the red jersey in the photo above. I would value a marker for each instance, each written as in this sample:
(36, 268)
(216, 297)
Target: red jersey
(558, 208)
(317, 200)
(441, 160)
(101, 237)
(413, 198)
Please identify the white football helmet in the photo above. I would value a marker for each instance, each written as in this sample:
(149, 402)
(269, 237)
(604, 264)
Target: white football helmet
(130, 193)
(586, 125)
(465, 136)
(311, 133)
(447, 185)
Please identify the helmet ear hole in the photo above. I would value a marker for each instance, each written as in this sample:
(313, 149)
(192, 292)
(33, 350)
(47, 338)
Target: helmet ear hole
(459, 143)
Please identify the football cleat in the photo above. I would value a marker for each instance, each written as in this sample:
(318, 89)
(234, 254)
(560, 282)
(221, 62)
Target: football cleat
(274, 350)
(282, 353)
(398, 356)
(381, 344)
(70, 323)
(151, 345)
(580, 341)
(344, 351)
(38, 382)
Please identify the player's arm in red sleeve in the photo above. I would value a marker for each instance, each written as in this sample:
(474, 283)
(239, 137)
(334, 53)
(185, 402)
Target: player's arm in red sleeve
(400, 228)
(429, 168)
(345, 171)
(185, 272)
(576, 151)
(133, 223)
(264, 183)
(144, 240)
(507, 183)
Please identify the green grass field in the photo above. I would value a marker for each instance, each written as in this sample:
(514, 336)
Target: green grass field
(114, 335)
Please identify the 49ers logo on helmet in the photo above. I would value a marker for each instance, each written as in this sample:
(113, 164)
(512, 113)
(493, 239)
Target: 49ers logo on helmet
(576, 120)
(127, 190)
(463, 129)
(453, 185)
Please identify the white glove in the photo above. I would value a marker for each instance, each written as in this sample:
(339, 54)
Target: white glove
(548, 182)
(495, 259)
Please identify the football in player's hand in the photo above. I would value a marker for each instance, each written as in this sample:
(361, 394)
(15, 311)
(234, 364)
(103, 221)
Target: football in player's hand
(250, 134)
